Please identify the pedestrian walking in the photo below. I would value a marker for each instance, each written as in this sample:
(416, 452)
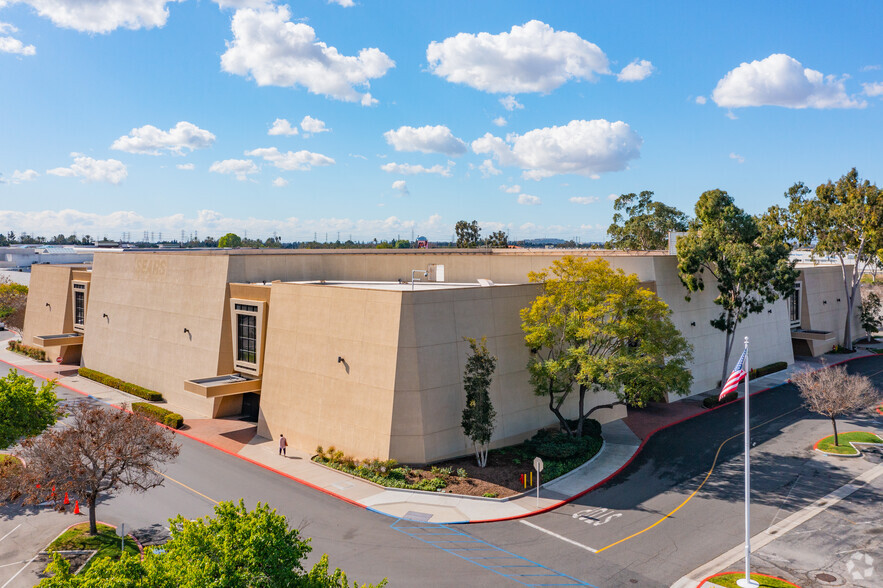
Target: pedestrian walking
(283, 443)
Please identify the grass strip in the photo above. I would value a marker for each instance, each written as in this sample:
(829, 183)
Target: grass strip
(729, 580)
(827, 444)
(106, 543)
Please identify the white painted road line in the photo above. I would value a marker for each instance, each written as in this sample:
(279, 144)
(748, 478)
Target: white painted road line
(556, 535)
(11, 532)
(9, 581)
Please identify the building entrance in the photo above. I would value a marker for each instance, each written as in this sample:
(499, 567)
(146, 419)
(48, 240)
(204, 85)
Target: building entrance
(251, 403)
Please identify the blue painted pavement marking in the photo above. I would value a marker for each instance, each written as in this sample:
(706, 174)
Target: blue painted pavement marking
(483, 554)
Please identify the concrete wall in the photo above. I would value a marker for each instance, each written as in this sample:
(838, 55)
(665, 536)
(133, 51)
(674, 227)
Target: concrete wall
(824, 305)
(150, 298)
(306, 393)
(769, 332)
(49, 284)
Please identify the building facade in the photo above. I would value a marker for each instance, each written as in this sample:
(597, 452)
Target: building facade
(363, 349)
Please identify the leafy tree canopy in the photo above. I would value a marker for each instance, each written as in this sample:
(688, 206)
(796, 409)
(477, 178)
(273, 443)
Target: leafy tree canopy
(467, 234)
(479, 414)
(598, 329)
(13, 300)
(230, 240)
(647, 225)
(498, 239)
(749, 261)
(25, 410)
(236, 548)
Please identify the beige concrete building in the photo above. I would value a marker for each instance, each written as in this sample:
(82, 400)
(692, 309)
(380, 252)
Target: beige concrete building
(342, 348)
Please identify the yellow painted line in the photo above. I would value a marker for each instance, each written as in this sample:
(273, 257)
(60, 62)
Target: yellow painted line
(708, 475)
(183, 485)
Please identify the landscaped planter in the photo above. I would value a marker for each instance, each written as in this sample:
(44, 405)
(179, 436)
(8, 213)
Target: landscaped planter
(848, 443)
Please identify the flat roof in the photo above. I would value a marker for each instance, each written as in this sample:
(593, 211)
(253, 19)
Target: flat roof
(536, 252)
(395, 286)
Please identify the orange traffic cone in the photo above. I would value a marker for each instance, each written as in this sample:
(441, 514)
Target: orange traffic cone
(77, 507)
(66, 499)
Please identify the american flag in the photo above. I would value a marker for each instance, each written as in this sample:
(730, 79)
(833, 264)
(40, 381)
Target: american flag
(737, 376)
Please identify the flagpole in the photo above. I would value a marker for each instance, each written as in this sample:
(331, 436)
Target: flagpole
(747, 581)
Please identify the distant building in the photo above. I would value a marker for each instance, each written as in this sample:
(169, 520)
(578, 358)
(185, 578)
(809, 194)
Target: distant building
(341, 347)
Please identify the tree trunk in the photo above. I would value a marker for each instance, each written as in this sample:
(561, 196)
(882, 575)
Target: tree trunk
(834, 422)
(728, 349)
(90, 502)
(850, 304)
(582, 417)
(557, 412)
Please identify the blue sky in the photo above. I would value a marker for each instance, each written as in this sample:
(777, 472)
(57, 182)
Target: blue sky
(412, 115)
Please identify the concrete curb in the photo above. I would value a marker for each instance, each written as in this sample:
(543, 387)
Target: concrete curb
(853, 444)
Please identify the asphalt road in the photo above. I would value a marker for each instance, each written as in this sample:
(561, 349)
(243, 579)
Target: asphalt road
(618, 535)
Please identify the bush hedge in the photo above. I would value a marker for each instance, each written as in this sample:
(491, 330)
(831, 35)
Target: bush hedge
(713, 401)
(768, 369)
(120, 385)
(158, 414)
(32, 352)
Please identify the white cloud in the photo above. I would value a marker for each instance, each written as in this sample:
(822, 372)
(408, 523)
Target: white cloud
(237, 4)
(150, 140)
(18, 177)
(781, 80)
(280, 182)
(514, 189)
(612, 197)
(737, 157)
(344, 3)
(9, 44)
(281, 126)
(409, 170)
(274, 51)
(427, 139)
(92, 170)
(528, 200)
(103, 16)
(402, 187)
(701, 100)
(487, 169)
(530, 58)
(300, 160)
(873, 89)
(636, 71)
(186, 166)
(730, 115)
(500, 121)
(313, 126)
(584, 199)
(584, 147)
(241, 168)
(510, 103)
(870, 68)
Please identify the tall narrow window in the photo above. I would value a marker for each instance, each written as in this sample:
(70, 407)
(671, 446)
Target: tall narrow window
(794, 306)
(79, 307)
(247, 337)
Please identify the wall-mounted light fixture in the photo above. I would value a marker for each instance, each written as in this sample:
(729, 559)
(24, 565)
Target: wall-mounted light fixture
(693, 324)
(838, 300)
(533, 350)
(340, 359)
(186, 330)
(824, 302)
(105, 316)
(769, 311)
(49, 305)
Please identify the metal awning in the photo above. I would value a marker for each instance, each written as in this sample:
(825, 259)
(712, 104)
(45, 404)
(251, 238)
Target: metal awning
(226, 385)
(62, 340)
(810, 335)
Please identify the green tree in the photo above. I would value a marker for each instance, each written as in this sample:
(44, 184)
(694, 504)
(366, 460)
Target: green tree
(479, 414)
(498, 239)
(24, 410)
(597, 328)
(467, 234)
(647, 225)
(871, 319)
(230, 240)
(402, 244)
(13, 300)
(235, 548)
(842, 219)
(749, 261)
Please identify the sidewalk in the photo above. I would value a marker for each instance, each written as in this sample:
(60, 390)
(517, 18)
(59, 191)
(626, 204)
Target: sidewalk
(622, 441)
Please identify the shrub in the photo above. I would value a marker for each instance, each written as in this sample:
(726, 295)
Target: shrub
(158, 414)
(709, 402)
(591, 427)
(490, 494)
(28, 350)
(441, 471)
(120, 385)
(462, 473)
(768, 369)
(713, 401)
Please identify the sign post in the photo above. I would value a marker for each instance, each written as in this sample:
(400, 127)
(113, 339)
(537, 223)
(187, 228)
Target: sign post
(538, 466)
(121, 531)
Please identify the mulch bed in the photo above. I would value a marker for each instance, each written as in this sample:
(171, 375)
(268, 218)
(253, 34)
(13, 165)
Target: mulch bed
(500, 476)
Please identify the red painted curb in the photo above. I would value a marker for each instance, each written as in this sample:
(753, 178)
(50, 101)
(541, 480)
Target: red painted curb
(699, 585)
(204, 442)
(879, 409)
(496, 520)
